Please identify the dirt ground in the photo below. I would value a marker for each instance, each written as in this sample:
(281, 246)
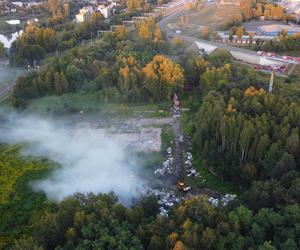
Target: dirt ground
(212, 17)
(139, 134)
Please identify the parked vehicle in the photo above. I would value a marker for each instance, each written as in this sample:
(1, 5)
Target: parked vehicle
(261, 53)
(271, 54)
(288, 58)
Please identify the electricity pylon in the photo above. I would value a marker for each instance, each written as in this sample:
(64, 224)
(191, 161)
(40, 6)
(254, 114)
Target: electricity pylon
(271, 83)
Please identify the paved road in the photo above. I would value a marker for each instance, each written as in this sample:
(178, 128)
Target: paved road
(170, 33)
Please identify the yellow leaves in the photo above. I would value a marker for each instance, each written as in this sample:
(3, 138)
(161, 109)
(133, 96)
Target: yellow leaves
(96, 17)
(48, 33)
(230, 106)
(200, 63)
(177, 41)
(120, 32)
(187, 225)
(30, 28)
(157, 34)
(134, 5)
(124, 72)
(173, 238)
(240, 32)
(163, 69)
(55, 6)
(131, 60)
(251, 34)
(130, 65)
(205, 32)
(71, 233)
(274, 12)
(252, 91)
(144, 31)
(179, 246)
(148, 30)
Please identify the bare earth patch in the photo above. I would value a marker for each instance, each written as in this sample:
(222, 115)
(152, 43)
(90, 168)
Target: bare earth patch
(141, 135)
(212, 17)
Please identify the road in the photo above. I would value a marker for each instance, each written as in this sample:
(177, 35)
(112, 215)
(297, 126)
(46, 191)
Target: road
(170, 33)
(175, 15)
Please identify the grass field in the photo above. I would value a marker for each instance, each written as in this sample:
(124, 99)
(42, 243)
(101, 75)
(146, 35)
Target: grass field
(89, 103)
(208, 180)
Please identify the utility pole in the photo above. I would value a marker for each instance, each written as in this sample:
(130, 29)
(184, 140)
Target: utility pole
(271, 83)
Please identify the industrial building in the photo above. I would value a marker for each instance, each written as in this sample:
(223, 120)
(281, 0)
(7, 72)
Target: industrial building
(275, 29)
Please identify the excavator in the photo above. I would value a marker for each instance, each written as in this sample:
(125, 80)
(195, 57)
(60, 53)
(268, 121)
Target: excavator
(181, 186)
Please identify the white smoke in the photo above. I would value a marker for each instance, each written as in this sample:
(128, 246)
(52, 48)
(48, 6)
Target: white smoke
(89, 162)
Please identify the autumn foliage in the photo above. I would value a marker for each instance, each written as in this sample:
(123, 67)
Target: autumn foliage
(162, 76)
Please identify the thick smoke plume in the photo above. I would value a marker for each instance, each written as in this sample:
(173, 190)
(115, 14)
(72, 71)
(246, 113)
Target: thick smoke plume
(89, 161)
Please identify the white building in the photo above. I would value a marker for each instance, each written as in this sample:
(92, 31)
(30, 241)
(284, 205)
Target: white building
(84, 14)
(105, 10)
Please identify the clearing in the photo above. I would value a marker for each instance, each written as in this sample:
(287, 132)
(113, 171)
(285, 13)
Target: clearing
(212, 17)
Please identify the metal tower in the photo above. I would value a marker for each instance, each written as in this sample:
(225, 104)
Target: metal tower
(271, 82)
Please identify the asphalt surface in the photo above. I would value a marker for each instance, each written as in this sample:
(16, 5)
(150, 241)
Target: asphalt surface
(170, 33)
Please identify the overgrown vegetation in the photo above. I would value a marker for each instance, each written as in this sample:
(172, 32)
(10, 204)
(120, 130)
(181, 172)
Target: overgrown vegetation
(117, 69)
(20, 207)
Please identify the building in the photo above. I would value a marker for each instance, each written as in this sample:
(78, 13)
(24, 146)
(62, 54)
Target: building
(84, 14)
(275, 29)
(245, 39)
(105, 10)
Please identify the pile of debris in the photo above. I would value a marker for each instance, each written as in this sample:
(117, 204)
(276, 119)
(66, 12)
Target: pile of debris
(166, 200)
(222, 201)
(190, 170)
(168, 165)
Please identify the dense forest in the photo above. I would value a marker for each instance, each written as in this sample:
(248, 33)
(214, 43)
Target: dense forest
(99, 222)
(117, 68)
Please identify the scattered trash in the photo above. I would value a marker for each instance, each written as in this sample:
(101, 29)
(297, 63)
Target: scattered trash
(190, 170)
(166, 200)
(223, 200)
(167, 166)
